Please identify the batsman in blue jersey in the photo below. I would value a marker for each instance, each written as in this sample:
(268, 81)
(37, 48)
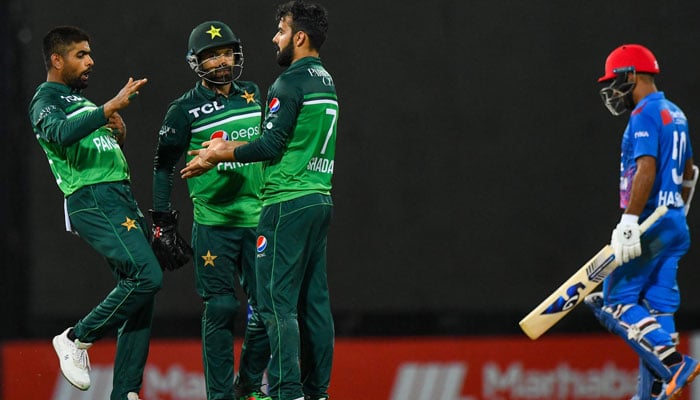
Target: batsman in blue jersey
(640, 297)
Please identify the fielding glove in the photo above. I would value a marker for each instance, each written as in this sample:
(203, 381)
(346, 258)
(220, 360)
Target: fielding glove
(625, 239)
(169, 246)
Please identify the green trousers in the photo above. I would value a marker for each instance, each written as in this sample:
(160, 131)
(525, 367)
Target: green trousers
(107, 217)
(293, 295)
(222, 255)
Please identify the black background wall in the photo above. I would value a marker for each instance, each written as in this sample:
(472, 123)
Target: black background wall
(476, 166)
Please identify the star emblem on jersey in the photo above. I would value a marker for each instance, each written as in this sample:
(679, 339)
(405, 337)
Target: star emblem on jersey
(129, 224)
(209, 259)
(214, 32)
(249, 97)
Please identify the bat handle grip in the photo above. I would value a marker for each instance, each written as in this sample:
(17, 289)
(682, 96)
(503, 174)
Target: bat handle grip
(653, 217)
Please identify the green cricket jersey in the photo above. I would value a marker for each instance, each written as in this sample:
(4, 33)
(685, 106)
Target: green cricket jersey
(71, 129)
(299, 133)
(230, 193)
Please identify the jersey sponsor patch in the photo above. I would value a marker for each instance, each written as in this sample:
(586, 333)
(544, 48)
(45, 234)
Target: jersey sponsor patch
(47, 110)
(666, 117)
(274, 105)
(261, 244)
(219, 134)
(166, 130)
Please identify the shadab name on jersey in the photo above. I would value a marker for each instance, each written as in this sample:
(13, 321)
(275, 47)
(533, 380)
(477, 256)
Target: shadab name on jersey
(319, 164)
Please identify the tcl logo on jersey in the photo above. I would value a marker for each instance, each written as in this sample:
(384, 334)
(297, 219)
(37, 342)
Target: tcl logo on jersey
(274, 105)
(72, 98)
(206, 109)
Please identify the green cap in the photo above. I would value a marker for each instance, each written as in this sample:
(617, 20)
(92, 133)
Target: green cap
(210, 34)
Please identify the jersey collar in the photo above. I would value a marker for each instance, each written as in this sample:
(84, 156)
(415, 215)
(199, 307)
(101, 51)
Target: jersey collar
(303, 62)
(210, 94)
(60, 87)
(650, 97)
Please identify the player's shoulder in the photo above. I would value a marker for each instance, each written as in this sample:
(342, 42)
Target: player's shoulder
(248, 86)
(49, 95)
(187, 97)
(48, 90)
(288, 84)
(192, 98)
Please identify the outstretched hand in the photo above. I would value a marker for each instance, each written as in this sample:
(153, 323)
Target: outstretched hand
(124, 97)
(213, 152)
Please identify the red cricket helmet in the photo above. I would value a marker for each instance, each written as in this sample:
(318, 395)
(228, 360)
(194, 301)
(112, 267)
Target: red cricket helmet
(629, 55)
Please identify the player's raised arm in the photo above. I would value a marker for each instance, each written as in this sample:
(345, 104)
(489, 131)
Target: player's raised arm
(124, 97)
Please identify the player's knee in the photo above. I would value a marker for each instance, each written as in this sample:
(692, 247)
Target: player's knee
(278, 322)
(153, 281)
(255, 321)
(663, 300)
(595, 302)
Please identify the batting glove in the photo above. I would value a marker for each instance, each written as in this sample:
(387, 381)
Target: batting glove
(625, 239)
(169, 246)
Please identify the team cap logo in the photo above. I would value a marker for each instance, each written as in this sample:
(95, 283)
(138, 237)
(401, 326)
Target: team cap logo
(214, 32)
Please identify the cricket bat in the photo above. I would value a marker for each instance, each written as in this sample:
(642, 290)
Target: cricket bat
(572, 292)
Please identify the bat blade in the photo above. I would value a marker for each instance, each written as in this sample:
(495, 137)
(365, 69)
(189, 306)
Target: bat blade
(572, 292)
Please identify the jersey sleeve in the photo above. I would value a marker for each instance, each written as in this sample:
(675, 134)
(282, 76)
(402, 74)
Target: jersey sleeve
(283, 107)
(173, 139)
(52, 124)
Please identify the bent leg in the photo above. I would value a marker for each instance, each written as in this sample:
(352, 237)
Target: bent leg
(107, 217)
(118, 231)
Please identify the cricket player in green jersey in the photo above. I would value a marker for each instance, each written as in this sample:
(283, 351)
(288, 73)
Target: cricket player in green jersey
(83, 145)
(226, 203)
(298, 147)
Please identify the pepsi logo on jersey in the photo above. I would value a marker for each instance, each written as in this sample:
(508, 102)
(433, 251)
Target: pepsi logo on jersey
(219, 134)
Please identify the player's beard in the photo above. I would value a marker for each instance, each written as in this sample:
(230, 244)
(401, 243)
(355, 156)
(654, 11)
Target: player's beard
(221, 75)
(285, 55)
(79, 81)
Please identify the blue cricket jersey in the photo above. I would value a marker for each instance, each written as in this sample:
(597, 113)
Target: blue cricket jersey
(656, 128)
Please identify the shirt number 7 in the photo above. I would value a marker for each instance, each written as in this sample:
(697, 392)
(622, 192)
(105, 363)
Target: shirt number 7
(334, 113)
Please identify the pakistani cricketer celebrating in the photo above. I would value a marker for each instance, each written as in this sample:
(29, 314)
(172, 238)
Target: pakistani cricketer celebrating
(298, 146)
(83, 145)
(226, 204)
